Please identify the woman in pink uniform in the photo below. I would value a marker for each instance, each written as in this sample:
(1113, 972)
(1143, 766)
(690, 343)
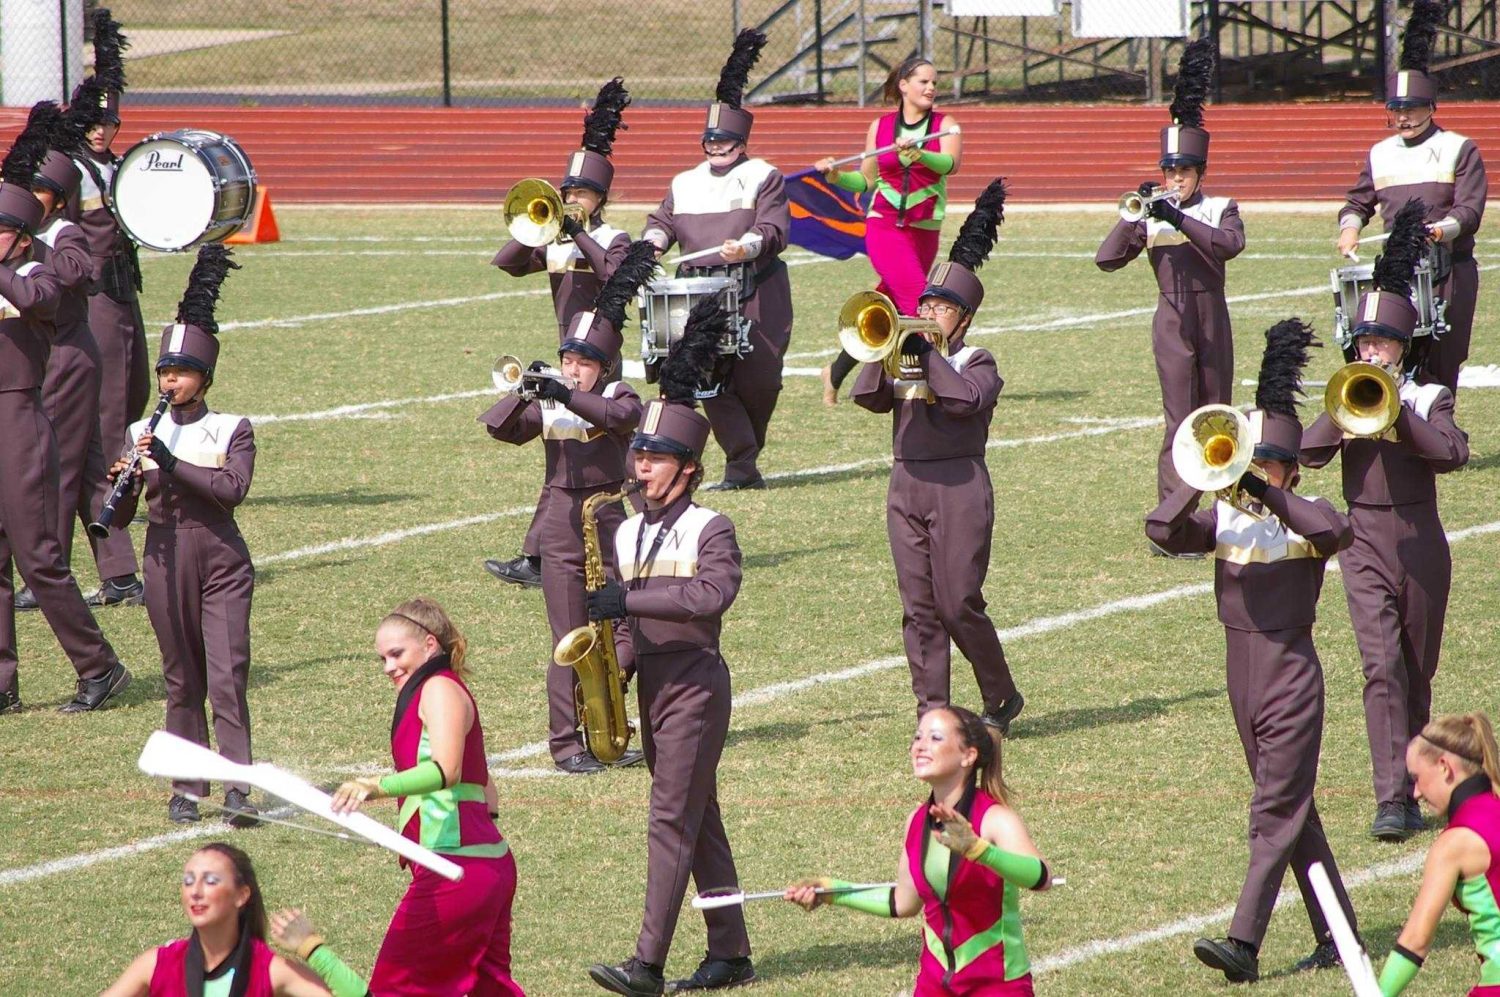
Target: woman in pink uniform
(227, 952)
(445, 938)
(967, 857)
(910, 196)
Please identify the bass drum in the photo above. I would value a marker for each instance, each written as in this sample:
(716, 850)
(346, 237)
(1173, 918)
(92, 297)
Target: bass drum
(174, 190)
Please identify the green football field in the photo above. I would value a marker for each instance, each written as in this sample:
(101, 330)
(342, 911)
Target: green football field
(361, 347)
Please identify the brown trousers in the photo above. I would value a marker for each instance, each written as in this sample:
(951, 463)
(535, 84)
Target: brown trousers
(28, 534)
(684, 701)
(199, 581)
(741, 414)
(1194, 347)
(1396, 577)
(1444, 357)
(1276, 693)
(939, 516)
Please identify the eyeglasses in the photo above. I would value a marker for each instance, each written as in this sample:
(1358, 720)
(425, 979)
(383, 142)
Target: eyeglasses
(936, 309)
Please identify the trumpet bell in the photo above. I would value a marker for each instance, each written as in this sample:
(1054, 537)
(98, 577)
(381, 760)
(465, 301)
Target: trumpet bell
(1362, 399)
(1213, 447)
(534, 212)
(507, 374)
(1133, 207)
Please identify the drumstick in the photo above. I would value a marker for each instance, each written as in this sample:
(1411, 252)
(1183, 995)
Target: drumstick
(714, 899)
(753, 239)
(1369, 238)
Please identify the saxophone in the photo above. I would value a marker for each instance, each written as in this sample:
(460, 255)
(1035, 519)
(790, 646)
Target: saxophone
(590, 651)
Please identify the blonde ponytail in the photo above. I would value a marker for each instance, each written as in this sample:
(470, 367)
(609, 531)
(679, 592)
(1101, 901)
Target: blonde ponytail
(421, 616)
(1470, 738)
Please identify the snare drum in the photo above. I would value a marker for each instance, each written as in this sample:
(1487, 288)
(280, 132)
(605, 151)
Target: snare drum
(665, 306)
(1352, 282)
(174, 190)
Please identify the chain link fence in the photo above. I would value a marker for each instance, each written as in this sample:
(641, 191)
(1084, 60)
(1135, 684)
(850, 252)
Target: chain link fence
(482, 52)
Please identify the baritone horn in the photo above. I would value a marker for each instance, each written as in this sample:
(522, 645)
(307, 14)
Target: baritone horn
(534, 212)
(1133, 207)
(1212, 450)
(871, 330)
(1363, 399)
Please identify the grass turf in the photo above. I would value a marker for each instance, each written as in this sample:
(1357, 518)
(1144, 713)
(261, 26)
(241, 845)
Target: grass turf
(1128, 769)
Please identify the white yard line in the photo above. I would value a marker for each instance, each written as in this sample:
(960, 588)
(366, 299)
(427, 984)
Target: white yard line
(292, 321)
(361, 410)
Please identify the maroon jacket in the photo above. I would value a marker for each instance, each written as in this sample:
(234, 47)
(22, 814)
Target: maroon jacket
(1267, 573)
(29, 297)
(577, 270)
(956, 420)
(65, 250)
(215, 462)
(585, 441)
(1187, 260)
(1443, 168)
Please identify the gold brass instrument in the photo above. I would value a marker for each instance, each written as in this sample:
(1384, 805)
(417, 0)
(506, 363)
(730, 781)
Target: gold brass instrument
(590, 651)
(872, 331)
(1212, 450)
(534, 212)
(1133, 207)
(1363, 399)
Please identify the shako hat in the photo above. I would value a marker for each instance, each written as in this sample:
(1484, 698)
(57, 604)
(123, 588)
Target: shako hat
(1185, 141)
(1410, 86)
(726, 118)
(956, 280)
(590, 166)
(672, 423)
(1279, 387)
(192, 341)
(597, 333)
(1387, 310)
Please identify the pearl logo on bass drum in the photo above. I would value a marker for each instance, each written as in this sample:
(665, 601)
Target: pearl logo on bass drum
(154, 161)
(174, 190)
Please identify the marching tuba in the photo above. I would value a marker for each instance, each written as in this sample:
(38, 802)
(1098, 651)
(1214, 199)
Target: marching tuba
(534, 212)
(872, 331)
(1212, 450)
(590, 651)
(1363, 399)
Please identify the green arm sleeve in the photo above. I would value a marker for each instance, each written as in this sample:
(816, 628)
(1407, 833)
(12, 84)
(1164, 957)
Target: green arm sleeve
(854, 182)
(420, 779)
(1026, 871)
(1399, 970)
(938, 162)
(343, 981)
(879, 901)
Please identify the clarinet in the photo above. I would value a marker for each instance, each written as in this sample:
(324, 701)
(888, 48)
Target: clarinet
(99, 529)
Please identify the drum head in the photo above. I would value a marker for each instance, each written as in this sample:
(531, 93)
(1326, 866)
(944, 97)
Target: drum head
(164, 195)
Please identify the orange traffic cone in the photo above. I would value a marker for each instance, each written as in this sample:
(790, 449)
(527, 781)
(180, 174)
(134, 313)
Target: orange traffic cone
(262, 224)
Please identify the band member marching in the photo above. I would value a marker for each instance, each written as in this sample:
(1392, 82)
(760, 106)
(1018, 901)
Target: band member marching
(680, 568)
(1398, 570)
(940, 507)
(966, 858)
(114, 306)
(70, 391)
(738, 203)
(1189, 237)
(576, 266)
(29, 297)
(586, 430)
(910, 187)
(1271, 548)
(1442, 168)
(197, 466)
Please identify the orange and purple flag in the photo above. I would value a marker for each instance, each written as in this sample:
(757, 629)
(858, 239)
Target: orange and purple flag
(827, 220)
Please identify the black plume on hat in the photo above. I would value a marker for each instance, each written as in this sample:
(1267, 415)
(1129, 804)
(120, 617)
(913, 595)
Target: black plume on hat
(1403, 250)
(1195, 75)
(85, 109)
(603, 119)
(691, 359)
(29, 149)
(1280, 383)
(1421, 34)
(637, 267)
(977, 235)
(736, 72)
(61, 129)
(109, 46)
(197, 305)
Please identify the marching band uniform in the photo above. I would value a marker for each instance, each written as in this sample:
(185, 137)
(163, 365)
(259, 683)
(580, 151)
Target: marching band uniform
(577, 270)
(585, 434)
(940, 506)
(1445, 170)
(29, 296)
(680, 570)
(199, 578)
(1188, 245)
(746, 202)
(1268, 573)
(1398, 571)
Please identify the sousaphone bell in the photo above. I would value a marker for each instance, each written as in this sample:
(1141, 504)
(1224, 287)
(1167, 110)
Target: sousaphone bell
(534, 212)
(871, 330)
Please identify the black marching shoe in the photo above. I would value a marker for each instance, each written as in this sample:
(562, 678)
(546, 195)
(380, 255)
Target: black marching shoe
(1001, 716)
(239, 811)
(116, 592)
(716, 974)
(582, 763)
(183, 810)
(751, 484)
(517, 571)
(1325, 956)
(94, 693)
(629, 758)
(1415, 822)
(632, 978)
(1390, 822)
(26, 599)
(1236, 960)
(10, 699)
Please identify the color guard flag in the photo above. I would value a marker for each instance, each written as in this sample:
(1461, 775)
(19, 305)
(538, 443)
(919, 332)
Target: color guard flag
(827, 220)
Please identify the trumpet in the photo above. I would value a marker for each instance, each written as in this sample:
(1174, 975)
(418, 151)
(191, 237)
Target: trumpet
(1133, 207)
(1363, 399)
(872, 331)
(534, 212)
(1212, 450)
(511, 376)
